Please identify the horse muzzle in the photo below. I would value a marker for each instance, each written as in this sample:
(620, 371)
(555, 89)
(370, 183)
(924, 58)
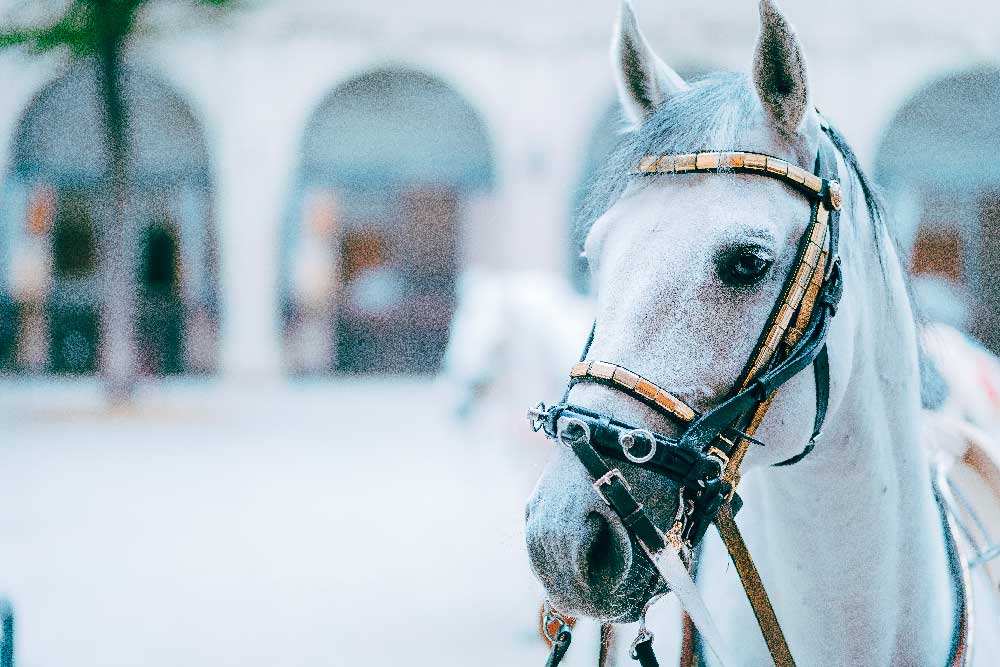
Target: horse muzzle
(582, 553)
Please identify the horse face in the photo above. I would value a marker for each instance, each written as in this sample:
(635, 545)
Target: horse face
(687, 269)
(687, 272)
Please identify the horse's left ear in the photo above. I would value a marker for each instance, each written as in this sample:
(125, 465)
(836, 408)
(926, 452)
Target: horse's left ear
(644, 81)
(779, 71)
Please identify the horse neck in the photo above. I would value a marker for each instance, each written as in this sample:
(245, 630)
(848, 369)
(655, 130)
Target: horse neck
(849, 543)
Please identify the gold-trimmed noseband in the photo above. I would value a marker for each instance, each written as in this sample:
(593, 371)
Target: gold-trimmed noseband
(633, 384)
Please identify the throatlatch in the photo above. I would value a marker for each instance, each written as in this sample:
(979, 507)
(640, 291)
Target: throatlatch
(706, 459)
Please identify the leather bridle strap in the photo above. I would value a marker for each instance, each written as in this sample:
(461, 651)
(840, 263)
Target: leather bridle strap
(777, 645)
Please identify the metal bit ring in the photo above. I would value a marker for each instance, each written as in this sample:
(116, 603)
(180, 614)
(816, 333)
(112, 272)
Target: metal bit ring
(628, 441)
(572, 423)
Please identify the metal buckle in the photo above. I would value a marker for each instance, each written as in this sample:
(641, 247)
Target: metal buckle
(644, 636)
(553, 623)
(718, 453)
(718, 457)
(627, 441)
(606, 480)
(836, 195)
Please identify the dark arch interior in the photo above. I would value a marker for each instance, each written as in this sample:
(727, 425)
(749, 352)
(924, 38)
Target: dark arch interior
(58, 174)
(74, 238)
(395, 154)
(937, 160)
(160, 327)
(72, 318)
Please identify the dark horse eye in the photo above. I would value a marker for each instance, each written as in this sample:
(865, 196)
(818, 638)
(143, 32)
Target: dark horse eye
(743, 267)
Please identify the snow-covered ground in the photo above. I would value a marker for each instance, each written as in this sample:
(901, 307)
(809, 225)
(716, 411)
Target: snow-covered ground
(334, 523)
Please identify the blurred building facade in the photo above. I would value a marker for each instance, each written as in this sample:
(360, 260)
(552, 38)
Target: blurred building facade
(313, 176)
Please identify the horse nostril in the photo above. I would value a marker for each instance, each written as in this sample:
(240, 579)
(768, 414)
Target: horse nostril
(603, 560)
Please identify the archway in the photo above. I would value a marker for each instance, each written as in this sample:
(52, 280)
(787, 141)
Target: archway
(54, 218)
(372, 247)
(937, 163)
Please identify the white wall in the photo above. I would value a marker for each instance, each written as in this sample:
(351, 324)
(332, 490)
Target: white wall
(536, 72)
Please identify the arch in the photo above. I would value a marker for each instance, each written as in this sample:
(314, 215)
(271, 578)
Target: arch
(372, 245)
(937, 163)
(53, 225)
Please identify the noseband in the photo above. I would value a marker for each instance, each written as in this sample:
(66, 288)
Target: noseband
(705, 460)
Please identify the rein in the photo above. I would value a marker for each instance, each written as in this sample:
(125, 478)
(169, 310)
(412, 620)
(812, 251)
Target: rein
(705, 461)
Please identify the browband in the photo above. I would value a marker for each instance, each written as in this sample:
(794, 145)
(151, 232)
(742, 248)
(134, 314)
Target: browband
(743, 162)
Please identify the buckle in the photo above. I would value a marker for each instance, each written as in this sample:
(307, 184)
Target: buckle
(718, 453)
(834, 195)
(606, 480)
(552, 621)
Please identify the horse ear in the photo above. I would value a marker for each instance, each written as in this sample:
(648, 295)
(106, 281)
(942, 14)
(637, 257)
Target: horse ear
(779, 70)
(644, 81)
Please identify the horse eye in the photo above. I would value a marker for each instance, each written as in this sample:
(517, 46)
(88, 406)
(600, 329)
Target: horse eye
(744, 267)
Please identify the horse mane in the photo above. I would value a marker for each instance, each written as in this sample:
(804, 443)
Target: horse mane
(874, 201)
(717, 113)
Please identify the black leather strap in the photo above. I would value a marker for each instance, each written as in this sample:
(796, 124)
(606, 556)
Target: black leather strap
(829, 299)
(821, 372)
(667, 459)
(643, 653)
(583, 357)
(559, 646)
(704, 429)
(698, 475)
(614, 490)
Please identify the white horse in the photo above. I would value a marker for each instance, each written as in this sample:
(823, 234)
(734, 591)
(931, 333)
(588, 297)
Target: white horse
(512, 337)
(848, 541)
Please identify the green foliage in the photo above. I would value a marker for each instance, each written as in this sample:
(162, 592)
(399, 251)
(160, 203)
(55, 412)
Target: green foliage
(85, 26)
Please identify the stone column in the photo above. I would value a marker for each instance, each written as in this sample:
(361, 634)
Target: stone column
(255, 160)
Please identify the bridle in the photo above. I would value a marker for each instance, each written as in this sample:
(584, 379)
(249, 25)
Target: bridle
(705, 460)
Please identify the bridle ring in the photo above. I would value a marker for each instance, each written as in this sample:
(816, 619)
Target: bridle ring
(628, 441)
(573, 423)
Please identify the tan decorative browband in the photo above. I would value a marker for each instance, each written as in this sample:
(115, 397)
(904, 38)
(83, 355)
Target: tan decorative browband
(742, 162)
(632, 384)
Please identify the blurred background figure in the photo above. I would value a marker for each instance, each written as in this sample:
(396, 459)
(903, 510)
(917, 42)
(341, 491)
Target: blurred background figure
(315, 287)
(279, 279)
